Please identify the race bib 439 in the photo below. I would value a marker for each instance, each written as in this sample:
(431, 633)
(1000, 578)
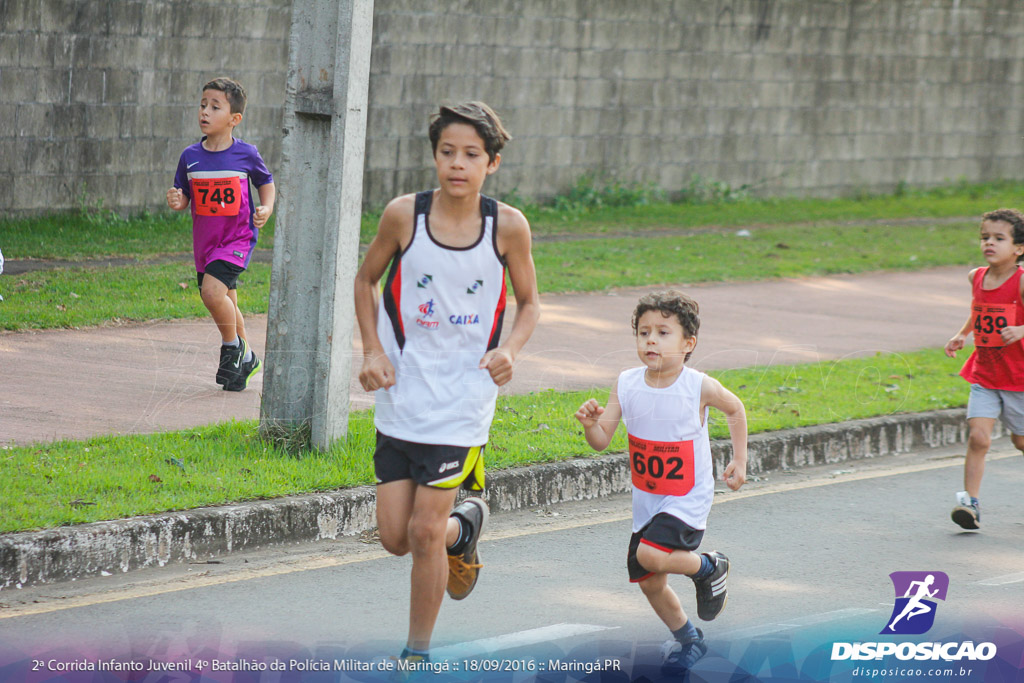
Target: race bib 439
(661, 467)
(989, 320)
(217, 196)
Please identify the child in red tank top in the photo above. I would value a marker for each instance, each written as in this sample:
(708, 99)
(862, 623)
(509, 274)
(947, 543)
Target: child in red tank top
(996, 368)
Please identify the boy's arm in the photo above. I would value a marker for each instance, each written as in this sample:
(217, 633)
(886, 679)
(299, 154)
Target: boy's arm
(599, 424)
(956, 342)
(268, 194)
(515, 245)
(377, 371)
(713, 394)
(177, 199)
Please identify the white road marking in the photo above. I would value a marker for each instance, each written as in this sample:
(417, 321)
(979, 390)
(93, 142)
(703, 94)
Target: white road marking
(801, 622)
(1003, 580)
(508, 641)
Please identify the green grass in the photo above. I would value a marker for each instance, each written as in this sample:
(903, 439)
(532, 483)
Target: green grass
(81, 297)
(80, 235)
(788, 251)
(72, 482)
(589, 209)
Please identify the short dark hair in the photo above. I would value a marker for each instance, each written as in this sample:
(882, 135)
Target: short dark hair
(670, 302)
(1016, 220)
(477, 114)
(232, 89)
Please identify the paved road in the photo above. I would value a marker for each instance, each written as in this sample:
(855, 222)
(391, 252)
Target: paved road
(159, 376)
(812, 552)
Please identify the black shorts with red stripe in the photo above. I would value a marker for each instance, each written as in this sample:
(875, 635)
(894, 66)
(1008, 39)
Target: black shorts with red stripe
(664, 532)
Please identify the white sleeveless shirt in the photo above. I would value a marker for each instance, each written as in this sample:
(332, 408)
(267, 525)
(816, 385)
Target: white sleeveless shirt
(670, 452)
(442, 310)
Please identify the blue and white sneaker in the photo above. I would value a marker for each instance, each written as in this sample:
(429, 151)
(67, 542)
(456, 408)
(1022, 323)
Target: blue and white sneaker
(967, 512)
(681, 655)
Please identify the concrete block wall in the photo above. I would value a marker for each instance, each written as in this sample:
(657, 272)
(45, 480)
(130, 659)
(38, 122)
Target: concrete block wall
(788, 96)
(99, 97)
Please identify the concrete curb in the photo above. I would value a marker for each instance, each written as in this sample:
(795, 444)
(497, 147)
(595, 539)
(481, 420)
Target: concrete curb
(66, 553)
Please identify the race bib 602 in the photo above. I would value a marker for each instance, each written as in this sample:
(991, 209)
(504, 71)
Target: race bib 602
(661, 467)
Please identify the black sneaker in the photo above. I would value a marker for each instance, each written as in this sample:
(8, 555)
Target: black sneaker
(240, 381)
(230, 360)
(967, 512)
(464, 568)
(681, 655)
(711, 591)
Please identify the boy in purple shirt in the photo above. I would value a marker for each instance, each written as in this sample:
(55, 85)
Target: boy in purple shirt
(213, 177)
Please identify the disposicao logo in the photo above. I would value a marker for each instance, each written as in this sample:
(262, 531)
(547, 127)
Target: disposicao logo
(916, 592)
(914, 614)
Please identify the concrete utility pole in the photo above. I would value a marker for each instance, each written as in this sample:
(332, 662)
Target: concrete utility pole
(309, 330)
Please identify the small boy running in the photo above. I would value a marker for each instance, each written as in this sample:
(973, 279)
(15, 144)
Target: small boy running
(665, 407)
(433, 355)
(213, 177)
(996, 368)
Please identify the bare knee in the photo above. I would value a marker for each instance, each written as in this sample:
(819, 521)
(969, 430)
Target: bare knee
(1018, 441)
(650, 558)
(426, 535)
(980, 440)
(394, 542)
(653, 585)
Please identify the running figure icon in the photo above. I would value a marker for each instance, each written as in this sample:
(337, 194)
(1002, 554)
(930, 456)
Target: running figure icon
(915, 607)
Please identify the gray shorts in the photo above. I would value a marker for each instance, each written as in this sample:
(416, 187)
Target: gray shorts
(1008, 406)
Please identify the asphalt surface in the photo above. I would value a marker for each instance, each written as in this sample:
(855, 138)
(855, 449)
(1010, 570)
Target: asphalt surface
(811, 554)
(160, 376)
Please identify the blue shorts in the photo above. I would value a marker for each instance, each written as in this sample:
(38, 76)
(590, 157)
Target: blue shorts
(1007, 406)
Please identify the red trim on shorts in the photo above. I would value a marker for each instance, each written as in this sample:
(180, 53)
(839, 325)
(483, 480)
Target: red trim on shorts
(655, 545)
(642, 578)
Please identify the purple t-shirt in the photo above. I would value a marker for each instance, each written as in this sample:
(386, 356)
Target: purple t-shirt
(217, 185)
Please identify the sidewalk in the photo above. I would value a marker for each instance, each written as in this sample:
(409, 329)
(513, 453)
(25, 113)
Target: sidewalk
(154, 377)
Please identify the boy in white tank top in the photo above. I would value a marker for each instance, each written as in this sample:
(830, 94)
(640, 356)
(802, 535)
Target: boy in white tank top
(433, 354)
(665, 407)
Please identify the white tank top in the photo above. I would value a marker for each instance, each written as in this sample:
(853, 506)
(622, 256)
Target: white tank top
(670, 452)
(442, 310)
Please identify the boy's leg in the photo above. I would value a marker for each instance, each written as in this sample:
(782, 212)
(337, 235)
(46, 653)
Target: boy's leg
(221, 306)
(664, 600)
(239, 321)
(978, 442)
(687, 643)
(668, 547)
(668, 561)
(394, 510)
(428, 529)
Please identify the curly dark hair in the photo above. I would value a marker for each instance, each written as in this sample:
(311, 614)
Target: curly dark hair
(233, 91)
(477, 114)
(1016, 220)
(670, 302)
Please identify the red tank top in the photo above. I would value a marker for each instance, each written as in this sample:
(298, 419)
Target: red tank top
(995, 367)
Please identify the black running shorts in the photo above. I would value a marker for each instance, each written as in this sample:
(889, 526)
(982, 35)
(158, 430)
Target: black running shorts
(225, 271)
(663, 532)
(443, 467)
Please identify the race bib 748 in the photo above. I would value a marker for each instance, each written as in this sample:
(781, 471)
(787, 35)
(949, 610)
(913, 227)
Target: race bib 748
(217, 196)
(661, 467)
